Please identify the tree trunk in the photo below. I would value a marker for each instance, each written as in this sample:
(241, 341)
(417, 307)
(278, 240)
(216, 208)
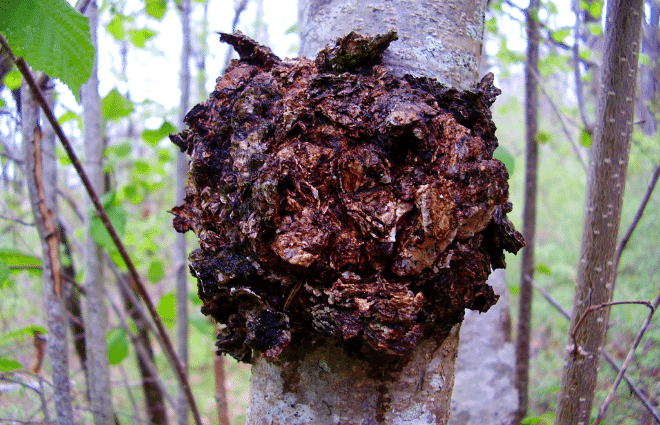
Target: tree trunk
(529, 215)
(319, 384)
(95, 312)
(606, 185)
(42, 180)
(181, 256)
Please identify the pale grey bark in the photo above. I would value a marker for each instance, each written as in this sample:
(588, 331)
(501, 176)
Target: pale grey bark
(324, 385)
(56, 317)
(607, 178)
(441, 39)
(484, 390)
(180, 254)
(94, 306)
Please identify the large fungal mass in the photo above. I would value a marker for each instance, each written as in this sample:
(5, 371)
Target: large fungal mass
(332, 199)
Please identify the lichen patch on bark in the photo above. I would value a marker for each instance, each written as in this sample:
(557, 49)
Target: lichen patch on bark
(332, 199)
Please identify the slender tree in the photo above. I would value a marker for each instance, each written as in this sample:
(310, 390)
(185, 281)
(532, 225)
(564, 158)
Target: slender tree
(40, 168)
(100, 392)
(608, 167)
(181, 256)
(529, 214)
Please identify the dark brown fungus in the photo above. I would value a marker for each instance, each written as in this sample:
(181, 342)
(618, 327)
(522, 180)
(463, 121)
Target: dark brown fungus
(332, 199)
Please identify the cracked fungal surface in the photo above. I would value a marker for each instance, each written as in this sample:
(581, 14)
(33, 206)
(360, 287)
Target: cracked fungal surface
(332, 199)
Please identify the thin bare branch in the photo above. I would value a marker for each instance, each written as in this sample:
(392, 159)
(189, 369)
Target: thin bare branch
(606, 355)
(240, 7)
(597, 307)
(16, 220)
(103, 215)
(627, 361)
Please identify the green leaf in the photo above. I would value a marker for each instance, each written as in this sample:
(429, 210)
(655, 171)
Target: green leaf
(167, 309)
(118, 218)
(69, 115)
(154, 136)
(8, 365)
(23, 332)
(140, 37)
(507, 159)
(115, 106)
(120, 150)
(4, 272)
(585, 138)
(117, 341)
(156, 8)
(560, 35)
(52, 37)
(194, 298)
(13, 80)
(595, 28)
(142, 167)
(133, 193)
(542, 137)
(293, 29)
(2, 103)
(13, 257)
(200, 323)
(533, 420)
(117, 28)
(514, 289)
(543, 268)
(156, 271)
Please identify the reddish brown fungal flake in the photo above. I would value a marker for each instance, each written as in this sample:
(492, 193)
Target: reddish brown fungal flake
(332, 199)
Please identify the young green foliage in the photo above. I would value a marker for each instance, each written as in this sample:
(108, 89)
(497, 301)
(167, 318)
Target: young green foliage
(51, 36)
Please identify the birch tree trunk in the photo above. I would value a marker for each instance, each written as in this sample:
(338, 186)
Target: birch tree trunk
(322, 384)
(529, 213)
(42, 184)
(181, 256)
(607, 177)
(95, 311)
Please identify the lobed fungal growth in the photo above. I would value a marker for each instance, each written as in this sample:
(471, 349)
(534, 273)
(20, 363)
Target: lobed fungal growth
(332, 199)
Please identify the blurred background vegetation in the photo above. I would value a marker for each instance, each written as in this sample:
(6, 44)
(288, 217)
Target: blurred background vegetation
(138, 69)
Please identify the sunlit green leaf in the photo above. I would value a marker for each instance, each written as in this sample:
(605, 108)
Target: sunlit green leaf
(117, 341)
(156, 8)
(115, 106)
(142, 167)
(140, 37)
(167, 309)
(7, 364)
(13, 80)
(595, 28)
(543, 268)
(561, 34)
(293, 29)
(154, 136)
(13, 257)
(120, 150)
(21, 333)
(117, 27)
(514, 289)
(585, 138)
(156, 271)
(505, 156)
(52, 37)
(4, 272)
(542, 137)
(69, 115)
(2, 103)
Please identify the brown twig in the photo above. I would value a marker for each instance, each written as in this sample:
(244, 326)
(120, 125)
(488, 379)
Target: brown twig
(608, 357)
(627, 361)
(103, 215)
(597, 307)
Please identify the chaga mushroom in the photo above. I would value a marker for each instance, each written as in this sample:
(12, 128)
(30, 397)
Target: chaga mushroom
(333, 199)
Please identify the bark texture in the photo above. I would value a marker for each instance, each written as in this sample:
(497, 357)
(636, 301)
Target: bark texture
(523, 335)
(42, 187)
(95, 311)
(603, 210)
(439, 39)
(337, 202)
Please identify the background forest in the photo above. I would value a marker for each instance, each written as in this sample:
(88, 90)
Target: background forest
(157, 59)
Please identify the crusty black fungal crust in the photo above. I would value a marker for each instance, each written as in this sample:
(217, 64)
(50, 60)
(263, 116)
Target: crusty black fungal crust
(335, 200)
